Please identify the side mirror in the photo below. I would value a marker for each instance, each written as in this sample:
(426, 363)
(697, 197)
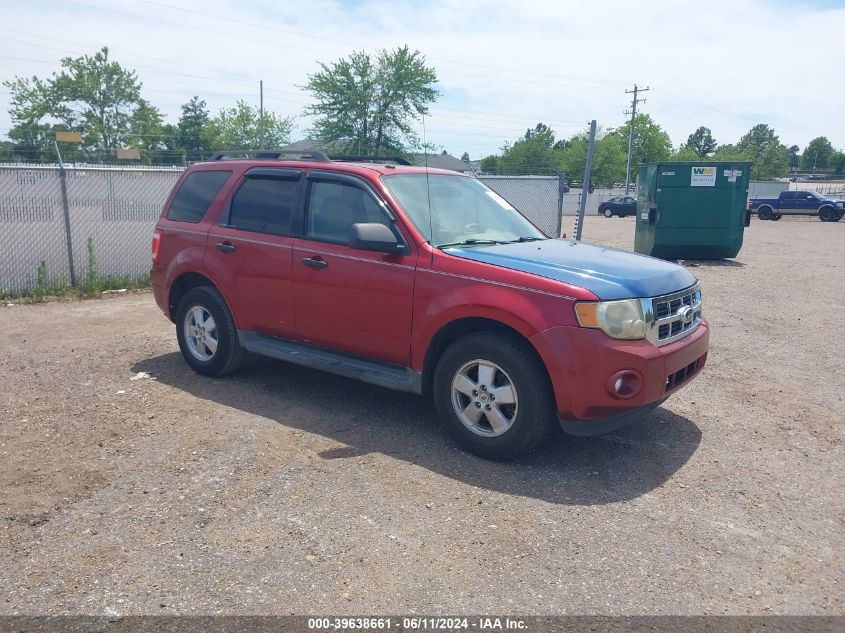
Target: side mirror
(372, 236)
(809, 197)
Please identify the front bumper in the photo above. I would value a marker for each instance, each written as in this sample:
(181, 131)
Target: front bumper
(581, 361)
(609, 424)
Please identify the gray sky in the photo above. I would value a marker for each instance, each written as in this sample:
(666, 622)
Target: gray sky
(502, 66)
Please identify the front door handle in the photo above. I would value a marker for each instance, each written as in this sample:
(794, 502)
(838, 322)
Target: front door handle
(225, 247)
(315, 262)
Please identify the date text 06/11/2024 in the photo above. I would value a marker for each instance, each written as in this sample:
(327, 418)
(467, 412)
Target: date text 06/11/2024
(416, 624)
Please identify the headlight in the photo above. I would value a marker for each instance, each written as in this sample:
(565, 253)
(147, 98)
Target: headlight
(618, 319)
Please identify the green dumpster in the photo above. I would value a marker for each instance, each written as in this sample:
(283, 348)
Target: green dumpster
(689, 210)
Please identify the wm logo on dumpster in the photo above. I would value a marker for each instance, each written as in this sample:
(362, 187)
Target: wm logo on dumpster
(703, 177)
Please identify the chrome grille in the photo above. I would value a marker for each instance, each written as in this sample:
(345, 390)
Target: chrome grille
(665, 315)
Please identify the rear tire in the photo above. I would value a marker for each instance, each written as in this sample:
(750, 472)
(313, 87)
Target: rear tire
(205, 329)
(765, 213)
(467, 378)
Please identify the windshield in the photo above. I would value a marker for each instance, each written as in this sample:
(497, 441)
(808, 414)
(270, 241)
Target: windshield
(815, 194)
(463, 210)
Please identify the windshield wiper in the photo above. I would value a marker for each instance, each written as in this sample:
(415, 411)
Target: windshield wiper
(526, 239)
(470, 242)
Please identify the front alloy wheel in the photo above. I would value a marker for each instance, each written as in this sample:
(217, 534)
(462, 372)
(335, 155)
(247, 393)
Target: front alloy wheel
(484, 398)
(493, 395)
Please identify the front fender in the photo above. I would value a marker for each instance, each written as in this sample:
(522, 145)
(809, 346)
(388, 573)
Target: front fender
(524, 310)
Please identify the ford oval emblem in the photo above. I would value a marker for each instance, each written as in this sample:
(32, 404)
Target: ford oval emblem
(685, 314)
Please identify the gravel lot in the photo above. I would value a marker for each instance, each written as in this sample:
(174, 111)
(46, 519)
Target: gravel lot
(285, 490)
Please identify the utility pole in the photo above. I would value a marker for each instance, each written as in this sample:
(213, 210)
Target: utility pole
(585, 186)
(634, 103)
(261, 114)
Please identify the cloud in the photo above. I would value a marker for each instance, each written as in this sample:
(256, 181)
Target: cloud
(502, 66)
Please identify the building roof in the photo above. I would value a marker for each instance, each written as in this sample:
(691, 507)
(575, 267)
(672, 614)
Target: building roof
(441, 161)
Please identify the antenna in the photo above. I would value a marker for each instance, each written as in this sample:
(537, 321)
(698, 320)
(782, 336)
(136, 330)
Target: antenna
(427, 186)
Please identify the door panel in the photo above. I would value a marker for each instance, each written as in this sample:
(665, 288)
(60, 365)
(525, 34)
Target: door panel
(260, 286)
(252, 250)
(349, 299)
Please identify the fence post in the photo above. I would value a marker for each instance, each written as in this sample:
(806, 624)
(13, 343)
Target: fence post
(561, 192)
(585, 186)
(66, 209)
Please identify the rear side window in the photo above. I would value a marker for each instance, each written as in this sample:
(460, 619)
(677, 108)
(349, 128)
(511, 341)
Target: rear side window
(263, 205)
(195, 195)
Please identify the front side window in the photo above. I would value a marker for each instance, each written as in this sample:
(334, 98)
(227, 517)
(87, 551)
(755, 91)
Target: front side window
(333, 207)
(195, 195)
(458, 210)
(263, 205)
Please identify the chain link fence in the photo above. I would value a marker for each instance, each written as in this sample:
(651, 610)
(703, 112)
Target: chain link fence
(539, 198)
(103, 231)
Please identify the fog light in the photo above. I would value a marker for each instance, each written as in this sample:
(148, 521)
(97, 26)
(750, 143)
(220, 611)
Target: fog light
(624, 384)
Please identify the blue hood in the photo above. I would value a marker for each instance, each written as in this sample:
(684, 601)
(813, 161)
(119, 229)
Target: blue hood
(609, 273)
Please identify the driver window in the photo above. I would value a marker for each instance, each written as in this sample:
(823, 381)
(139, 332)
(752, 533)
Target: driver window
(333, 207)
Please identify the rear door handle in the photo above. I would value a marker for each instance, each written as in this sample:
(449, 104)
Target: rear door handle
(225, 247)
(315, 262)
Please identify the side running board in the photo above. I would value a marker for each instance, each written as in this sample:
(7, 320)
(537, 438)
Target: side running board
(364, 369)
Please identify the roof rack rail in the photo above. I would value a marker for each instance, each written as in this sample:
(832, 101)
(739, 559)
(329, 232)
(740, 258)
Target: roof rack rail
(276, 154)
(370, 159)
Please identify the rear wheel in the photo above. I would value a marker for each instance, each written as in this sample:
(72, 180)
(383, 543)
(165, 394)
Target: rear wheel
(493, 396)
(206, 333)
(827, 214)
(765, 213)
(608, 213)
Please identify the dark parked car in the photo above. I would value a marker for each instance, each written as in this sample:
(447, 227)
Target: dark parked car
(620, 205)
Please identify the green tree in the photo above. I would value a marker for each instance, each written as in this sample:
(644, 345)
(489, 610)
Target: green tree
(91, 94)
(837, 161)
(490, 164)
(793, 153)
(195, 133)
(465, 157)
(651, 142)
(532, 154)
(368, 106)
(818, 154)
(762, 146)
(243, 127)
(701, 142)
(609, 158)
(149, 134)
(686, 153)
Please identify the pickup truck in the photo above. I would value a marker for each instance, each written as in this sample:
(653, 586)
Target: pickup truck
(424, 281)
(797, 203)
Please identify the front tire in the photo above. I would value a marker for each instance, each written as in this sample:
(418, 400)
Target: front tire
(494, 396)
(206, 333)
(608, 213)
(827, 214)
(776, 217)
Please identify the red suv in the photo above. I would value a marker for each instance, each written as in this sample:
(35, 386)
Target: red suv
(426, 281)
